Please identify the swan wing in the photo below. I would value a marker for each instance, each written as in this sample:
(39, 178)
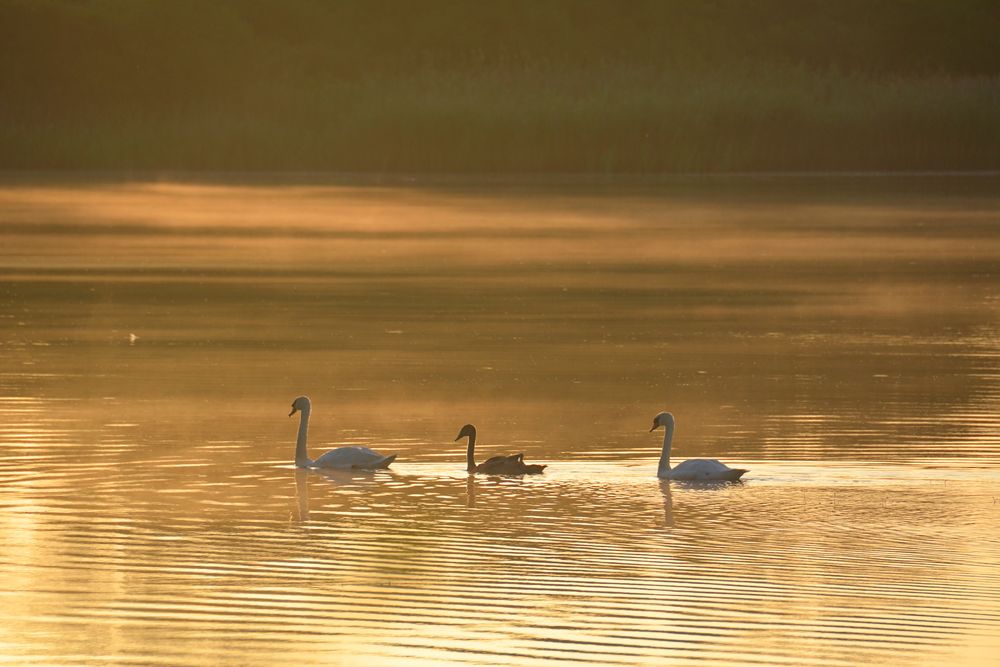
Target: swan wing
(509, 465)
(353, 457)
(494, 463)
(705, 470)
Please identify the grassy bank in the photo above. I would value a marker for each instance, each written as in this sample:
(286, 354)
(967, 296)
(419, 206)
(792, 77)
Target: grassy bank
(377, 90)
(616, 120)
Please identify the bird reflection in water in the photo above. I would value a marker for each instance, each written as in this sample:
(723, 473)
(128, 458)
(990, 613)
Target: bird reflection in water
(668, 503)
(336, 477)
(470, 491)
(686, 488)
(302, 493)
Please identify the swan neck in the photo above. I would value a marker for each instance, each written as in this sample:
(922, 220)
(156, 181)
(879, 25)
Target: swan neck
(470, 454)
(301, 457)
(668, 437)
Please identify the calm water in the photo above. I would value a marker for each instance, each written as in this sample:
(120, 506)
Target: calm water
(839, 337)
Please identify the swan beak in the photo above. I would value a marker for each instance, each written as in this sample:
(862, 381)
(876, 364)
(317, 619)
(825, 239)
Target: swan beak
(655, 426)
(458, 438)
(292, 412)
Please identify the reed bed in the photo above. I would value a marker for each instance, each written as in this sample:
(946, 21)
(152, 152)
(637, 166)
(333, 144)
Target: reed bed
(526, 87)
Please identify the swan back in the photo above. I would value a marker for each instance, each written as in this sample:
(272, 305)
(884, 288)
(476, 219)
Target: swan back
(508, 465)
(353, 457)
(705, 470)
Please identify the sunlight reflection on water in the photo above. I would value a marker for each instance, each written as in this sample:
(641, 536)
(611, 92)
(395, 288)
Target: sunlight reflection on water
(844, 350)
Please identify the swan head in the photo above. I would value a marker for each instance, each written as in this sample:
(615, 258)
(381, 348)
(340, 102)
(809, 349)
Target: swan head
(467, 431)
(300, 403)
(663, 419)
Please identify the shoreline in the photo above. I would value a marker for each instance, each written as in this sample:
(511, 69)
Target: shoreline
(12, 177)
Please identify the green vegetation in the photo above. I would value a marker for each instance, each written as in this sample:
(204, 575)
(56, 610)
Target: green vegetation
(514, 86)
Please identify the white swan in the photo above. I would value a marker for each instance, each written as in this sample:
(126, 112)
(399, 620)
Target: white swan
(692, 470)
(341, 457)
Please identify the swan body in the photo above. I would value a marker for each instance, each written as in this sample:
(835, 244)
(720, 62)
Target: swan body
(692, 470)
(495, 465)
(352, 457)
(358, 458)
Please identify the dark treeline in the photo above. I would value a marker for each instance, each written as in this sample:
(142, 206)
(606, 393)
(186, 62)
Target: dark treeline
(516, 85)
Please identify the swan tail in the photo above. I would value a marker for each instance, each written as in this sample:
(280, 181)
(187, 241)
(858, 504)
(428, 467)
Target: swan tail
(377, 464)
(736, 473)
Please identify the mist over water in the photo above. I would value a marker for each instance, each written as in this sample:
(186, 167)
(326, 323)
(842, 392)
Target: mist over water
(839, 337)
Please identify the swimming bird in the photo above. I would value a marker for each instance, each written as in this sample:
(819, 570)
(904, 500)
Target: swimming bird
(692, 470)
(358, 458)
(495, 465)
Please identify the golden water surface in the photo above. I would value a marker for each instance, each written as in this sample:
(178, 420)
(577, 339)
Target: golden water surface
(839, 337)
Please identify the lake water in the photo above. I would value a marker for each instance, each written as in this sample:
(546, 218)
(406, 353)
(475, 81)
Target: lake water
(838, 336)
